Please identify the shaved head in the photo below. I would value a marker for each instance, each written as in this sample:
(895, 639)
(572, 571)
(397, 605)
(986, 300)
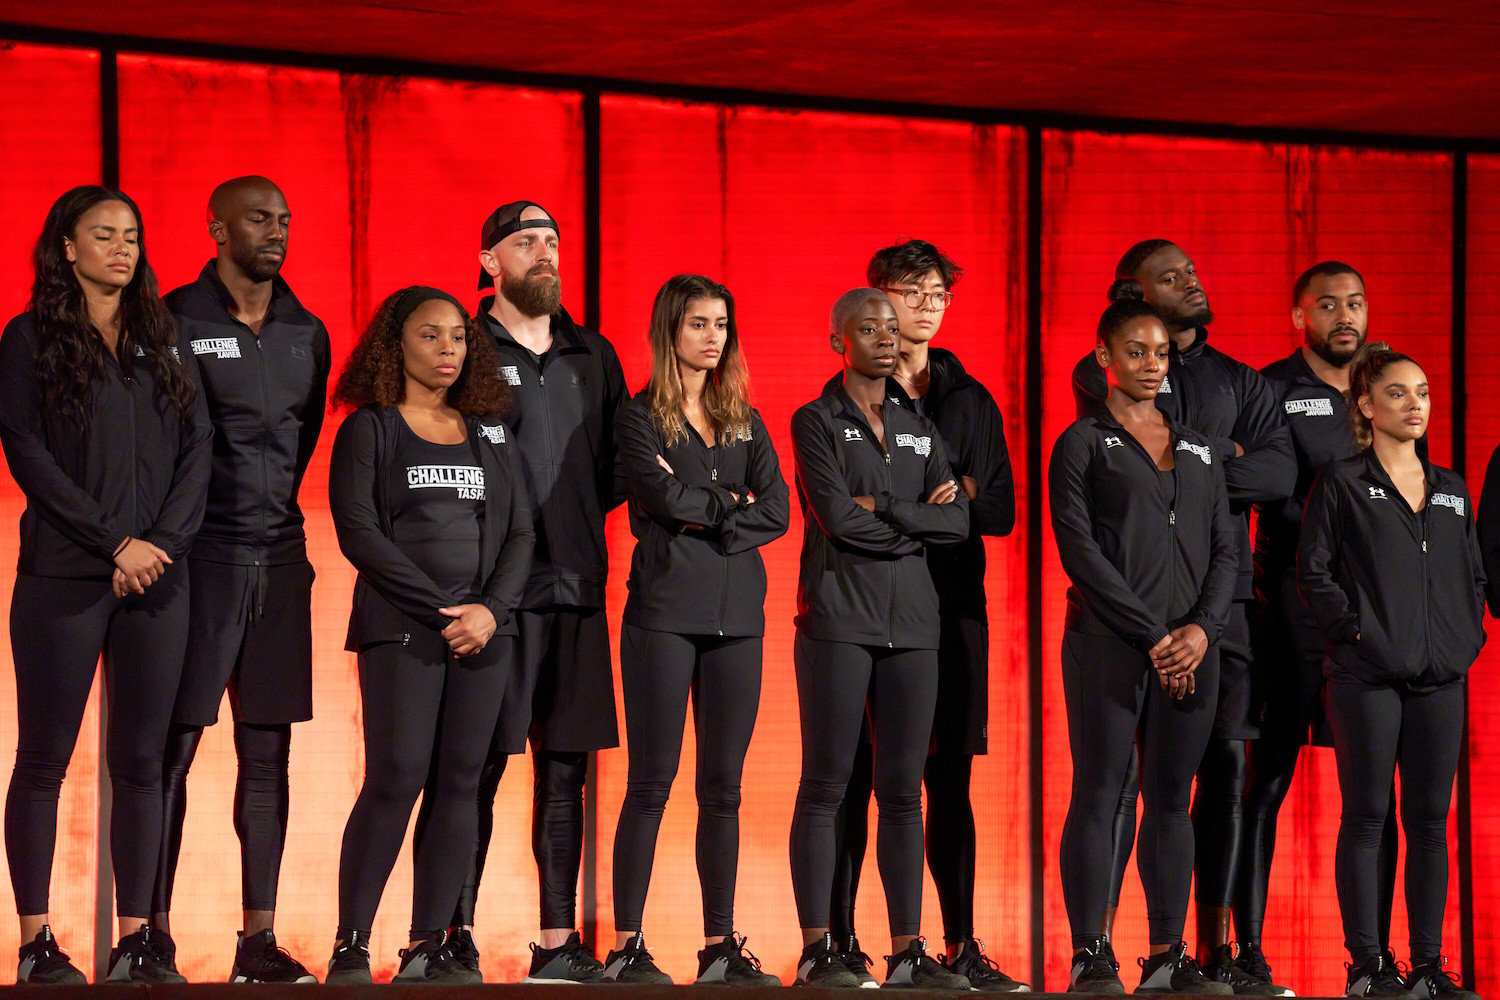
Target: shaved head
(249, 220)
(227, 197)
(850, 305)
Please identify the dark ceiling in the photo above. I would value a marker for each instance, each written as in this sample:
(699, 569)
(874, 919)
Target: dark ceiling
(1398, 68)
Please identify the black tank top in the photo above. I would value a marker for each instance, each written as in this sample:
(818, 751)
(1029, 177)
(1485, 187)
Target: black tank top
(437, 510)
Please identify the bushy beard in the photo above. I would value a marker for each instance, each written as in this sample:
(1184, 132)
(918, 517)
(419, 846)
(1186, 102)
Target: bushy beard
(533, 295)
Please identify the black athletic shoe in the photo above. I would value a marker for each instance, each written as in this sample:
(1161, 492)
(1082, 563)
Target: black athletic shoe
(1175, 971)
(819, 965)
(1224, 968)
(1432, 981)
(1252, 962)
(349, 965)
(982, 973)
(912, 969)
(143, 957)
(857, 962)
(431, 963)
(258, 959)
(569, 962)
(729, 964)
(1374, 977)
(463, 949)
(632, 964)
(1095, 970)
(44, 964)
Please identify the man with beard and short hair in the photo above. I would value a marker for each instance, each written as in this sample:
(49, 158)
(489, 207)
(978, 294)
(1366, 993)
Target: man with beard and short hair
(1312, 384)
(569, 388)
(262, 362)
(1231, 404)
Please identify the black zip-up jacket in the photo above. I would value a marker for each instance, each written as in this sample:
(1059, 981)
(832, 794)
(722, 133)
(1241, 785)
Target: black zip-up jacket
(265, 397)
(392, 592)
(696, 569)
(1488, 524)
(973, 433)
(1409, 585)
(1226, 401)
(1147, 551)
(133, 471)
(864, 576)
(566, 405)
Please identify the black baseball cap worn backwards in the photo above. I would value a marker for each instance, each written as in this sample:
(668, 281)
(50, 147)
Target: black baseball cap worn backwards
(506, 220)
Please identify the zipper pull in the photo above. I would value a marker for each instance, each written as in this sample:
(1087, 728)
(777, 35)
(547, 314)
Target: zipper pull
(541, 379)
(715, 474)
(1172, 516)
(1424, 546)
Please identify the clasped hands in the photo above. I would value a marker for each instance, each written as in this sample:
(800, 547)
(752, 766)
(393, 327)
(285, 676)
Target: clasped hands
(1176, 657)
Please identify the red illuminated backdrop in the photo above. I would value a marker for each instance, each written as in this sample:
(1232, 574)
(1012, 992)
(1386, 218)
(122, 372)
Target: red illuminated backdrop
(388, 179)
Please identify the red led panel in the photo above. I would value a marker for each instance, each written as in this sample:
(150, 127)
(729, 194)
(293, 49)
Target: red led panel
(785, 208)
(49, 126)
(1252, 216)
(388, 180)
(1483, 427)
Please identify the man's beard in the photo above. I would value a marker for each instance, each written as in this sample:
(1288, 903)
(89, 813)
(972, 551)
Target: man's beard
(1191, 319)
(1339, 357)
(530, 295)
(254, 265)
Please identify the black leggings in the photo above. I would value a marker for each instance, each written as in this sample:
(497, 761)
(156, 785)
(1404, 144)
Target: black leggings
(1374, 728)
(428, 720)
(556, 832)
(1113, 699)
(57, 629)
(835, 680)
(852, 835)
(261, 796)
(657, 671)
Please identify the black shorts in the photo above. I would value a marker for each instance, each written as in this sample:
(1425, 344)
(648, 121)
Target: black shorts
(250, 631)
(961, 723)
(561, 694)
(1289, 651)
(1238, 715)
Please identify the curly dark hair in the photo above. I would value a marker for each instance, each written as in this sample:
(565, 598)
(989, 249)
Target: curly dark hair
(374, 372)
(72, 355)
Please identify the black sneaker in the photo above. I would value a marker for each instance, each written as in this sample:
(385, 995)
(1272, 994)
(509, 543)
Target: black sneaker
(1175, 971)
(136, 959)
(569, 962)
(982, 973)
(632, 964)
(463, 949)
(1375, 976)
(431, 963)
(1432, 981)
(44, 964)
(857, 962)
(729, 964)
(1222, 968)
(1095, 970)
(912, 969)
(258, 959)
(349, 965)
(1252, 962)
(819, 965)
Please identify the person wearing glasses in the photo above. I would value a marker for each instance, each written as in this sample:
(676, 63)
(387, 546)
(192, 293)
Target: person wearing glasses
(918, 279)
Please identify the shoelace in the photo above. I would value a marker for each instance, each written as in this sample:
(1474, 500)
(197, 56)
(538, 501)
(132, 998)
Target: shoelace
(984, 960)
(744, 954)
(578, 957)
(279, 959)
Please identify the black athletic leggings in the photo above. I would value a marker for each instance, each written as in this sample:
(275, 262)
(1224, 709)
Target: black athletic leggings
(1113, 698)
(57, 629)
(261, 796)
(851, 836)
(1375, 727)
(428, 720)
(835, 680)
(556, 832)
(657, 672)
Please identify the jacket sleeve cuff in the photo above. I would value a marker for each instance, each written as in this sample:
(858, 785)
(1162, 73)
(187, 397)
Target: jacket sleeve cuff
(1153, 637)
(497, 608)
(1212, 627)
(883, 506)
(1225, 447)
(1347, 629)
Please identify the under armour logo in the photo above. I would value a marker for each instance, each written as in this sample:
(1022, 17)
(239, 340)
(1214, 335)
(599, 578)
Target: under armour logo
(1113, 442)
(1377, 493)
(853, 434)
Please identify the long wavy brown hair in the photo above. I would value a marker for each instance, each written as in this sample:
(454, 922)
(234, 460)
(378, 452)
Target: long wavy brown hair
(374, 371)
(726, 394)
(72, 354)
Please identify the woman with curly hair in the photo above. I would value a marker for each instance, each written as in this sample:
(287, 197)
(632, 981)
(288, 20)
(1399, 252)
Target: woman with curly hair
(109, 442)
(431, 508)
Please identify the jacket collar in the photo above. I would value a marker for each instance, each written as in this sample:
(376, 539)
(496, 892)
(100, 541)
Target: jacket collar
(565, 333)
(945, 374)
(1374, 470)
(282, 298)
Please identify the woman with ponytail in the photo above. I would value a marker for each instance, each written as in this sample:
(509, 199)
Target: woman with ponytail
(1389, 564)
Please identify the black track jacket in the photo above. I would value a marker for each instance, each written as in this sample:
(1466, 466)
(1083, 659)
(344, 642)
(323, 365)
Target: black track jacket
(1488, 523)
(391, 591)
(969, 422)
(864, 576)
(1146, 551)
(706, 580)
(564, 417)
(1409, 585)
(133, 471)
(265, 397)
(1225, 401)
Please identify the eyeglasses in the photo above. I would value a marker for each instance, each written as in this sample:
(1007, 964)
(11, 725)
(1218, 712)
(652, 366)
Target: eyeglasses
(914, 297)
